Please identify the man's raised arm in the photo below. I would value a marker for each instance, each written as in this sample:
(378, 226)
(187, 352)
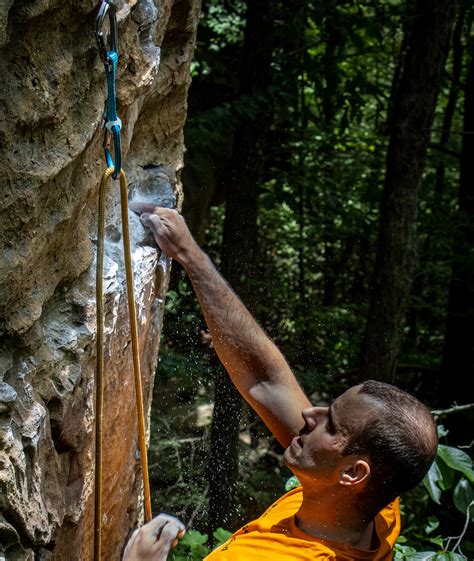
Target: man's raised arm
(256, 366)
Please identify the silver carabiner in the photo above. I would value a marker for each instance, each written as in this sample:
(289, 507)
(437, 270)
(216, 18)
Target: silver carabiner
(111, 10)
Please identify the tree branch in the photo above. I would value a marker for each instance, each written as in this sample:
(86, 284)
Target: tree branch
(455, 81)
(464, 530)
(444, 150)
(437, 413)
(198, 507)
(459, 133)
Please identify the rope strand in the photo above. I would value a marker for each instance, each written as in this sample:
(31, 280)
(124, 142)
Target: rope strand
(99, 400)
(100, 356)
(135, 350)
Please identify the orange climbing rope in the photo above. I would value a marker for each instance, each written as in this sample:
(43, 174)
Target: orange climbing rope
(100, 354)
(108, 51)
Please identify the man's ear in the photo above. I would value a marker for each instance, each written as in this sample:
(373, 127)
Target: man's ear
(355, 473)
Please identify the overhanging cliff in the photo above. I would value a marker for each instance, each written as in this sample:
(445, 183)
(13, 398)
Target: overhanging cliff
(52, 94)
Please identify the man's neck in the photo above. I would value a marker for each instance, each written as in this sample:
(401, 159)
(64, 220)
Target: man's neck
(331, 517)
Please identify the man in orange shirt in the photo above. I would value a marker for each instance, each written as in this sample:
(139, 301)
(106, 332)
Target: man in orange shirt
(352, 458)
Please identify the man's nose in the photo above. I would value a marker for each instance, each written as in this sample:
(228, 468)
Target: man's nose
(312, 415)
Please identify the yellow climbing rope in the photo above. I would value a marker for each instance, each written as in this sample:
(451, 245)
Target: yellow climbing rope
(100, 354)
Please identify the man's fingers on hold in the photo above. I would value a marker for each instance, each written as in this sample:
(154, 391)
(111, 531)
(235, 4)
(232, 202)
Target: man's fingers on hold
(131, 541)
(169, 532)
(155, 526)
(179, 536)
(151, 221)
(139, 207)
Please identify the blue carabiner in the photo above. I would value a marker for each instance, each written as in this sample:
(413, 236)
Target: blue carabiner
(112, 122)
(109, 57)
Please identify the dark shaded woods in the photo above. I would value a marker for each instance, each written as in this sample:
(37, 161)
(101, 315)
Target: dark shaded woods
(330, 173)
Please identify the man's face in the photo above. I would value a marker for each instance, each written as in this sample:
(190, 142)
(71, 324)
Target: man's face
(317, 451)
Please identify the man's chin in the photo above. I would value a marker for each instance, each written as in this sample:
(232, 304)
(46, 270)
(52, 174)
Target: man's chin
(289, 458)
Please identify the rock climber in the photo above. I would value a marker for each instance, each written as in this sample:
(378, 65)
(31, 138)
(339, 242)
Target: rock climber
(353, 458)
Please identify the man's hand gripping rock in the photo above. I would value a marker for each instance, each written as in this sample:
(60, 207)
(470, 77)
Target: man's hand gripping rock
(169, 229)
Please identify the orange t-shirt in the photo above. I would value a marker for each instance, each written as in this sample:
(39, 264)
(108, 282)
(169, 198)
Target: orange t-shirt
(275, 537)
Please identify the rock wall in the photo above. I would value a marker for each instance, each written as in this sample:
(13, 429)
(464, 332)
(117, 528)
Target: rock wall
(52, 94)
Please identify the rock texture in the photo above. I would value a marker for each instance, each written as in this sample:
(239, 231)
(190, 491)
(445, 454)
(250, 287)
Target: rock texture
(52, 94)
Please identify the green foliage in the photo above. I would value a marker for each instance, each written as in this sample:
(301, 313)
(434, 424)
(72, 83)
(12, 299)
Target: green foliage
(449, 463)
(193, 547)
(331, 89)
(463, 496)
(406, 553)
(221, 536)
(292, 483)
(451, 472)
(189, 372)
(457, 460)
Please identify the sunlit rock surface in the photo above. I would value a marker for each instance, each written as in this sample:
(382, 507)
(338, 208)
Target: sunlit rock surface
(52, 95)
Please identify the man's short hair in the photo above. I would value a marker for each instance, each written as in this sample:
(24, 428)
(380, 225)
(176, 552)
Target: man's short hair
(400, 440)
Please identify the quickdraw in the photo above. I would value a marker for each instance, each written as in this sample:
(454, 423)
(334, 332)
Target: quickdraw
(109, 56)
(114, 169)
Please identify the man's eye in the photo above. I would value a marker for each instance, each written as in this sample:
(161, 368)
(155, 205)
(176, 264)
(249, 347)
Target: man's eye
(329, 427)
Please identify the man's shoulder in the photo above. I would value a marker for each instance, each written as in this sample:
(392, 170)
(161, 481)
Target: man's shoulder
(272, 537)
(275, 536)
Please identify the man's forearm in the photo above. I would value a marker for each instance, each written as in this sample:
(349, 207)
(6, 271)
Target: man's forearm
(256, 366)
(242, 345)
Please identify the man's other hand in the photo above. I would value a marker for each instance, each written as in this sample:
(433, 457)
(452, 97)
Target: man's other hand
(168, 227)
(153, 541)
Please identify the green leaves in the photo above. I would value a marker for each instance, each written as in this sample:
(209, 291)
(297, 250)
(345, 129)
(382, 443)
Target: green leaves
(452, 471)
(407, 553)
(432, 525)
(457, 460)
(193, 547)
(431, 482)
(464, 497)
(442, 475)
(221, 536)
(292, 483)
(431, 556)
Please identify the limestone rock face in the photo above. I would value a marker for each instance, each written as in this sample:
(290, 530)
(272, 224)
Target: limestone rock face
(52, 94)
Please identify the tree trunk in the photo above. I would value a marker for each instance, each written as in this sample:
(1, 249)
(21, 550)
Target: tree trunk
(397, 241)
(238, 246)
(458, 51)
(457, 368)
(439, 206)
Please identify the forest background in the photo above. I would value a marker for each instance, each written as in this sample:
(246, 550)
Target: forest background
(330, 176)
